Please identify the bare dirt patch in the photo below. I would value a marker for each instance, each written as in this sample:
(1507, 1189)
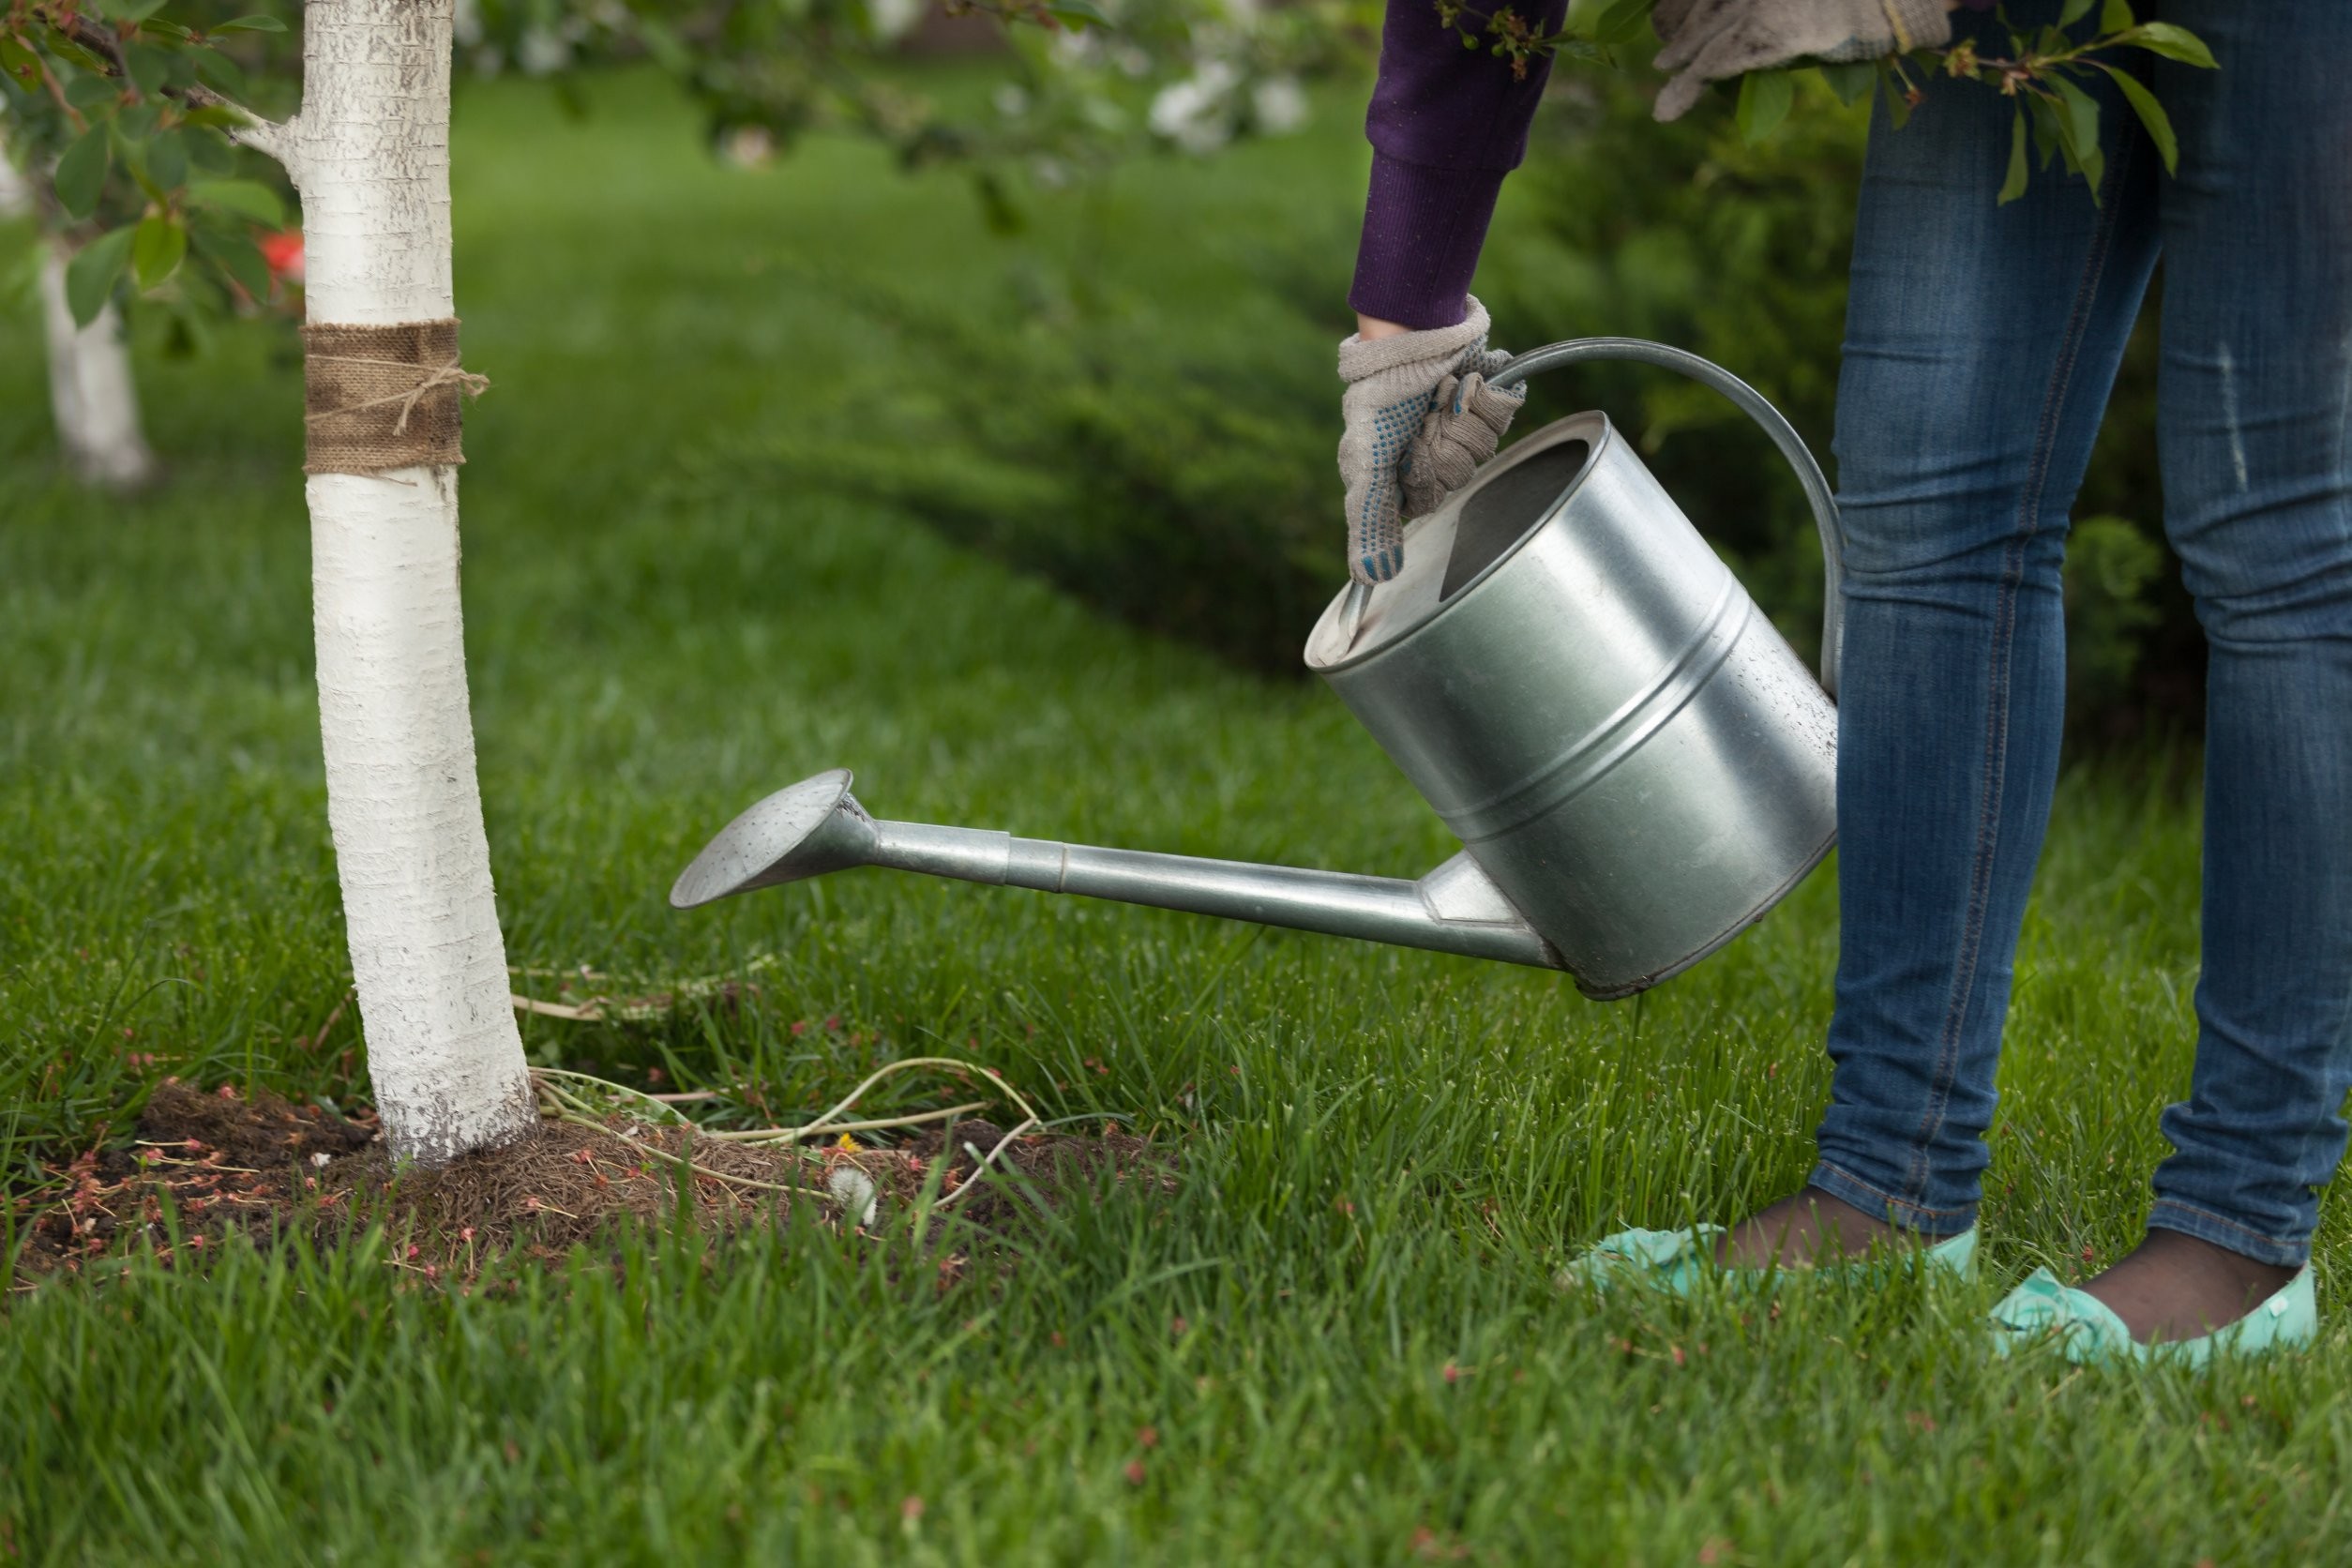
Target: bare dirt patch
(206, 1165)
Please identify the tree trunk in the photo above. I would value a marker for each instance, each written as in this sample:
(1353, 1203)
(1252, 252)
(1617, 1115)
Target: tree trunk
(91, 393)
(369, 153)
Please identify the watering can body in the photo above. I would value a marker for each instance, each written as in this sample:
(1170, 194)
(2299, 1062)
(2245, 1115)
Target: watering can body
(1636, 763)
(1589, 700)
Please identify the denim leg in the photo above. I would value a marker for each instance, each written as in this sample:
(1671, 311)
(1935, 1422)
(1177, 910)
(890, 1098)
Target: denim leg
(2255, 409)
(1980, 344)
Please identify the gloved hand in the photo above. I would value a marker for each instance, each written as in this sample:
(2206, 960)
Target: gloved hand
(1420, 418)
(1713, 40)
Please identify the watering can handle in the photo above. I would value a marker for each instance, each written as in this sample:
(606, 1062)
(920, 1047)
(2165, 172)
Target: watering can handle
(1578, 350)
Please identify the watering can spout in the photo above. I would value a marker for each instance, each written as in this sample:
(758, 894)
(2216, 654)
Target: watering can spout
(816, 826)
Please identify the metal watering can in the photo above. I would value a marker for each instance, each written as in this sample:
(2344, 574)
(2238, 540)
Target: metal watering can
(1638, 765)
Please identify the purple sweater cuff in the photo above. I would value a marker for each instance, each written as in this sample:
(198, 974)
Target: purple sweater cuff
(1422, 228)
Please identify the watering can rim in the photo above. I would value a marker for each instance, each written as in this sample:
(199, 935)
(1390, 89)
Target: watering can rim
(1354, 650)
(1352, 599)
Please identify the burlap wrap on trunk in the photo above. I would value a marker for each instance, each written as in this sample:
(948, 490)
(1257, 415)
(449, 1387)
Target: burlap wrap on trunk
(378, 398)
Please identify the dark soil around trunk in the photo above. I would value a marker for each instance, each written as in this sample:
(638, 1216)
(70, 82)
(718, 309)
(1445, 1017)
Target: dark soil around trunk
(207, 1166)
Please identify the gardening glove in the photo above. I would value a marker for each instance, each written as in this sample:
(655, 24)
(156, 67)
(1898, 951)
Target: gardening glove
(1715, 40)
(1419, 417)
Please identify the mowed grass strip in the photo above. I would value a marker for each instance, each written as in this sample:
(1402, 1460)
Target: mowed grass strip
(1338, 1340)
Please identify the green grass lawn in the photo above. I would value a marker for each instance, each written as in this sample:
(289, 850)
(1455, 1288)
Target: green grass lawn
(1338, 1340)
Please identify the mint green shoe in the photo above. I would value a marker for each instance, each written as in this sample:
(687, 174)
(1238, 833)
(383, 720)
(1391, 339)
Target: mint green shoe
(2086, 1330)
(1675, 1261)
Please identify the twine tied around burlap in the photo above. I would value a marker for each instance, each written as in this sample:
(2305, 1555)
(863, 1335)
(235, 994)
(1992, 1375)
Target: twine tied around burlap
(379, 398)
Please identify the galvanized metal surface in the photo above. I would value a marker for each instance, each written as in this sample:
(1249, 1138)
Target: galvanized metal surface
(1791, 445)
(1638, 764)
(1589, 700)
(816, 826)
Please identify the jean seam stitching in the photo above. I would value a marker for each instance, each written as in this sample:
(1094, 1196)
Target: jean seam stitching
(1892, 1200)
(1947, 1067)
(2225, 1222)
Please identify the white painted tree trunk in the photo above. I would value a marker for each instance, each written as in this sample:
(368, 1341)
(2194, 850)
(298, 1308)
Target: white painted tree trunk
(369, 153)
(91, 393)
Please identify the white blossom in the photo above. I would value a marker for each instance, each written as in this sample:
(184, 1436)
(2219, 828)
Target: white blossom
(1197, 112)
(895, 19)
(1277, 105)
(542, 51)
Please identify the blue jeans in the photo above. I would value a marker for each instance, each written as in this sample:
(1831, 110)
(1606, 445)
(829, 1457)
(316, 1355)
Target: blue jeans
(1982, 343)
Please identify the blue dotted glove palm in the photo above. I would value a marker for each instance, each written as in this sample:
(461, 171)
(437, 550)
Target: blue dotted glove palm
(1420, 418)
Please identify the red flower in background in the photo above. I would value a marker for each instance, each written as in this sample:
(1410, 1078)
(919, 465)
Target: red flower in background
(282, 250)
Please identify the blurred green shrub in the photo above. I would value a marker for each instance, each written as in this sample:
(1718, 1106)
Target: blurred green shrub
(1174, 473)
(2110, 569)
(1178, 471)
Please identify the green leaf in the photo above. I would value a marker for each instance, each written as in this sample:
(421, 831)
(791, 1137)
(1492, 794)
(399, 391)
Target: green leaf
(1625, 22)
(190, 331)
(167, 161)
(93, 94)
(1764, 99)
(2044, 115)
(148, 66)
(81, 173)
(137, 121)
(2115, 16)
(61, 43)
(2166, 39)
(232, 251)
(221, 73)
(247, 199)
(131, 10)
(2094, 172)
(2152, 116)
(2073, 11)
(254, 24)
(996, 208)
(90, 276)
(1850, 80)
(2075, 120)
(2079, 124)
(19, 63)
(135, 164)
(1080, 14)
(158, 249)
(1898, 104)
(210, 152)
(2015, 186)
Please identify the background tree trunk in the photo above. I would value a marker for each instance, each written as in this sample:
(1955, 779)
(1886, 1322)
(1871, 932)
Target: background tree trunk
(91, 393)
(369, 153)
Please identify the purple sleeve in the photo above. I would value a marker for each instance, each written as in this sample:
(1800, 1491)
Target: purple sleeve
(1446, 123)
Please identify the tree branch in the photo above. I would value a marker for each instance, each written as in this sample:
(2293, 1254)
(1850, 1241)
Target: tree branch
(271, 138)
(268, 137)
(89, 35)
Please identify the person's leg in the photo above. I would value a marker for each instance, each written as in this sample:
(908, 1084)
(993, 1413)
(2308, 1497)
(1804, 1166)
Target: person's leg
(2256, 446)
(1982, 343)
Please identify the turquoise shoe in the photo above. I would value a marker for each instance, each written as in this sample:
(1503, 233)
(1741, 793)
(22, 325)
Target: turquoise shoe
(1675, 1261)
(2086, 1330)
